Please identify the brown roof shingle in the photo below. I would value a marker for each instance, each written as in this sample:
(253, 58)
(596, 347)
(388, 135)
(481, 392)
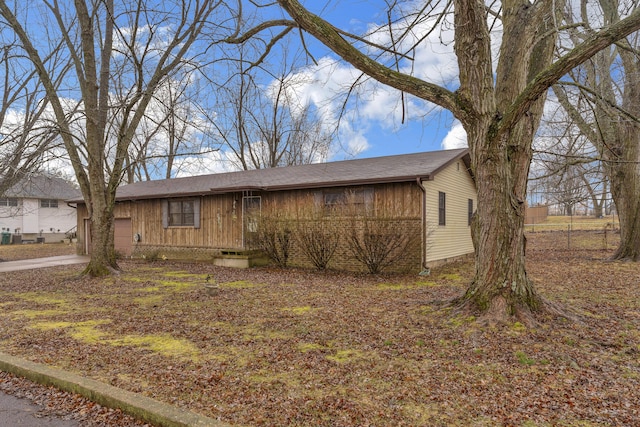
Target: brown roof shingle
(398, 168)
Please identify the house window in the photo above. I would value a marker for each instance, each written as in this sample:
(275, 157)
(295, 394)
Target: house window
(470, 210)
(347, 202)
(48, 203)
(181, 213)
(9, 202)
(442, 210)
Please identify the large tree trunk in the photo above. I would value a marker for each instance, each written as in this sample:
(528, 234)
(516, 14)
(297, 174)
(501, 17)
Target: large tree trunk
(103, 257)
(100, 206)
(625, 188)
(501, 288)
(501, 160)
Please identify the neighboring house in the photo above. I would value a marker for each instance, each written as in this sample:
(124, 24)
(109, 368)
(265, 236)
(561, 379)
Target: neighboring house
(433, 194)
(35, 209)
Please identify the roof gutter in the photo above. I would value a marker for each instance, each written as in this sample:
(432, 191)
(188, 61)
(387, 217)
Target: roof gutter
(423, 239)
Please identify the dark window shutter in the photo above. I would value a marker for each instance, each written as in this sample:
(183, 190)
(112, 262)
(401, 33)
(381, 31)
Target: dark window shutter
(196, 213)
(165, 213)
(318, 199)
(368, 201)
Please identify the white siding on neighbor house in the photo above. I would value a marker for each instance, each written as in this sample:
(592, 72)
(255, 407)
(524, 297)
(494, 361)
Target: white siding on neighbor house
(11, 217)
(453, 239)
(30, 218)
(30, 223)
(62, 218)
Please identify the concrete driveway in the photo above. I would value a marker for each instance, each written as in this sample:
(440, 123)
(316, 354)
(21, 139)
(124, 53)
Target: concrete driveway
(17, 412)
(53, 261)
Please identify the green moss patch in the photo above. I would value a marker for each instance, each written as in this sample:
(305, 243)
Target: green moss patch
(346, 356)
(33, 314)
(298, 310)
(310, 346)
(163, 344)
(86, 332)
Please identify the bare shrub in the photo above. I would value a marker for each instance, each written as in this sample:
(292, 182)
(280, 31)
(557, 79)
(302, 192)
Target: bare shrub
(274, 237)
(379, 242)
(318, 238)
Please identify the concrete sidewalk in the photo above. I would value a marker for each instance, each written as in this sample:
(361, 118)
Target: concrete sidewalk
(53, 261)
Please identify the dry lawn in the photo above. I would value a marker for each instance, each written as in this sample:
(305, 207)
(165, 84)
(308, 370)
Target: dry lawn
(578, 222)
(35, 250)
(301, 348)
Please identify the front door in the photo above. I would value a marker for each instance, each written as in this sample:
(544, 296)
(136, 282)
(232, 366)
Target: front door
(122, 236)
(250, 216)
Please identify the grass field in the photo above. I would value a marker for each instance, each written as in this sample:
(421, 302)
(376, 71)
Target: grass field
(564, 223)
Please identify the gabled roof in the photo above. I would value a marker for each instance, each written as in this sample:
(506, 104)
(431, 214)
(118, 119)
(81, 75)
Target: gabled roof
(43, 187)
(399, 168)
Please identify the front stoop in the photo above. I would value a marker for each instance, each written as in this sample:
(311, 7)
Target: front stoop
(240, 259)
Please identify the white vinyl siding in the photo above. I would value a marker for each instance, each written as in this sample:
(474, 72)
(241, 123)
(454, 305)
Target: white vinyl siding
(454, 238)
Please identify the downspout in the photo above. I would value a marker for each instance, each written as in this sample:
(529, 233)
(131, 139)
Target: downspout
(423, 238)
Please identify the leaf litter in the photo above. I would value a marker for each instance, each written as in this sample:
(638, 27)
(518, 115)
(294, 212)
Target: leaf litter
(295, 347)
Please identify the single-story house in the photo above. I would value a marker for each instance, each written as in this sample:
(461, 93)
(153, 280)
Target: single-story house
(34, 209)
(430, 195)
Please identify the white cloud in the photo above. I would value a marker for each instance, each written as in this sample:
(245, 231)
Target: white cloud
(456, 138)
(326, 84)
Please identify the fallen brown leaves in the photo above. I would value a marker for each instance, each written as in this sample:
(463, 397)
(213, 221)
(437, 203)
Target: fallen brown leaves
(294, 347)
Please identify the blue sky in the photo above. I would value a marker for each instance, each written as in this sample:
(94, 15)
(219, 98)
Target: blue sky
(374, 122)
(375, 127)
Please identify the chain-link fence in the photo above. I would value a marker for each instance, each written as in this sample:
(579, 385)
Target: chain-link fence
(575, 233)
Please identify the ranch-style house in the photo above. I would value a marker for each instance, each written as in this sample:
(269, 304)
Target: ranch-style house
(427, 197)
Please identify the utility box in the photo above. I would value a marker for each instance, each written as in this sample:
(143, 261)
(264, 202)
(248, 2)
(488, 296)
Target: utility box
(6, 238)
(17, 239)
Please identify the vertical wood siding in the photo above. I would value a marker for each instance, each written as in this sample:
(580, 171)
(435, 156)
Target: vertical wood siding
(220, 224)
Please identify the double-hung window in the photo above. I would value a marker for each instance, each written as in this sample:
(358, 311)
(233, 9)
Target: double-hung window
(9, 201)
(181, 213)
(48, 203)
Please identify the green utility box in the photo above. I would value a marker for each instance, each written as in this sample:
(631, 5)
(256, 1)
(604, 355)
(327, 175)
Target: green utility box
(6, 238)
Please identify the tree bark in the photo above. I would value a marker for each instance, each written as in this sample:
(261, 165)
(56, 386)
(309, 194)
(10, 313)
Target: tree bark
(501, 161)
(103, 256)
(625, 189)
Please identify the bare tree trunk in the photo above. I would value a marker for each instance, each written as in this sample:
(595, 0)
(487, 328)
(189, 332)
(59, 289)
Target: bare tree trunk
(625, 189)
(103, 256)
(501, 162)
(501, 287)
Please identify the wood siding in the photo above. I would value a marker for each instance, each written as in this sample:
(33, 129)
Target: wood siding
(220, 223)
(221, 219)
(400, 200)
(452, 240)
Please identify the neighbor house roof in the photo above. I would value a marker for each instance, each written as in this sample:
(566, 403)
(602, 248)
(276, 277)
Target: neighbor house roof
(399, 168)
(43, 187)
